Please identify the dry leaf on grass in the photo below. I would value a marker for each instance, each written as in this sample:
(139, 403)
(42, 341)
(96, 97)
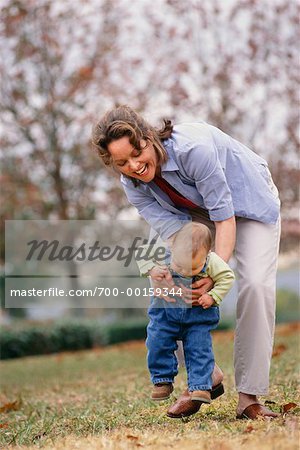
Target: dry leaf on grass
(134, 439)
(278, 349)
(131, 437)
(288, 407)
(13, 406)
(4, 425)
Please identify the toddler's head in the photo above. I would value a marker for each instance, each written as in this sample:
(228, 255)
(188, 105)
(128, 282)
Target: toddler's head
(190, 248)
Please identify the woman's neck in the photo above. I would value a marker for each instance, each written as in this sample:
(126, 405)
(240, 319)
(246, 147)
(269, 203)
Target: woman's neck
(158, 171)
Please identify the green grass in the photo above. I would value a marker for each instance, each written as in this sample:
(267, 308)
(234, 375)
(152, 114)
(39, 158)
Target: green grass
(100, 399)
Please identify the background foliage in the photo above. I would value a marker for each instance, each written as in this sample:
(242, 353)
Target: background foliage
(233, 63)
(63, 64)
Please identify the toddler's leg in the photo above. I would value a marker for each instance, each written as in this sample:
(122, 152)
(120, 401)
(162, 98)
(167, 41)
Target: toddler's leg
(161, 344)
(197, 344)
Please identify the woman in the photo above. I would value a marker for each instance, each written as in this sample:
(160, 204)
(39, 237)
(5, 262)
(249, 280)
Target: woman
(194, 170)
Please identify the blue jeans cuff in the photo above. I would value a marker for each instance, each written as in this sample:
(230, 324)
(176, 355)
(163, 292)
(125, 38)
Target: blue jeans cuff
(162, 380)
(200, 387)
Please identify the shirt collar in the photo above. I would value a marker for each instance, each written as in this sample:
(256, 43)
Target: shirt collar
(204, 267)
(170, 165)
(206, 263)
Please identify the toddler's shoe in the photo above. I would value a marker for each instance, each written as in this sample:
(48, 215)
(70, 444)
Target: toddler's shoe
(201, 396)
(162, 391)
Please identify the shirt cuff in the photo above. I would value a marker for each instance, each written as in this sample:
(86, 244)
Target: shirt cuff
(144, 271)
(217, 215)
(216, 298)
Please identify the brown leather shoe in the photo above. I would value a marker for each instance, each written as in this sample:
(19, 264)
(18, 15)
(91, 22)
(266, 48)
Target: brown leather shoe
(201, 396)
(255, 411)
(161, 391)
(185, 406)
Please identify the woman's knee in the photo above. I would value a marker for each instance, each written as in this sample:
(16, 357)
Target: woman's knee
(257, 286)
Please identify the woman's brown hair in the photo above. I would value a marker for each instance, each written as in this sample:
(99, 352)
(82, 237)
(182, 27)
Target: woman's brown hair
(124, 121)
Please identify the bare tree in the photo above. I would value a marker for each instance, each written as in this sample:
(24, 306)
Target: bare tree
(53, 56)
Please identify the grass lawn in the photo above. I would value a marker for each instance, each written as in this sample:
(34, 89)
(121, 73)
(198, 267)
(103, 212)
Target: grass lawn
(100, 399)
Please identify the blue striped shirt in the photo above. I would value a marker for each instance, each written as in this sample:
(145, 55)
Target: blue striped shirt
(214, 171)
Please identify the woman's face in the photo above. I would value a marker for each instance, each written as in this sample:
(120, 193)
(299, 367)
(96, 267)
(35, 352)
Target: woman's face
(140, 164)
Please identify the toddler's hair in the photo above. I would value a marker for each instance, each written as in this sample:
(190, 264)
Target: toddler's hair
(191, 238)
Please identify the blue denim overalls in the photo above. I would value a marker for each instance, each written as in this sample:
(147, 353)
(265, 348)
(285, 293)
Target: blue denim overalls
(170, 322)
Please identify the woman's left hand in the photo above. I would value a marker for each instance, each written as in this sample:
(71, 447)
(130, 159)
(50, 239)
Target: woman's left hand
(200, 287)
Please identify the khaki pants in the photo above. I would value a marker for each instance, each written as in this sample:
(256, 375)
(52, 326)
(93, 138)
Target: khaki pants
(256, 254)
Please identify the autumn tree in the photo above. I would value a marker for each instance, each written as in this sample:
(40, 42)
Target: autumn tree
(53, 63)
(234, 64)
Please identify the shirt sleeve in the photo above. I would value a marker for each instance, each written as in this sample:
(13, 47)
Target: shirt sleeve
(201, 163)
(164, 222)
(222, 276)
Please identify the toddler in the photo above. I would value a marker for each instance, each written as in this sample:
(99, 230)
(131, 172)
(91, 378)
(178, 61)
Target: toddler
(191, 259)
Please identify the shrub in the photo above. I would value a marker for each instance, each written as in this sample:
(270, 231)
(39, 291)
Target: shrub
(287, 306)
(65, 336)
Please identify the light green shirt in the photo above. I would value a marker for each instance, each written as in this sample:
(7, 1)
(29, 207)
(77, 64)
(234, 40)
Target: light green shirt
(216, 268)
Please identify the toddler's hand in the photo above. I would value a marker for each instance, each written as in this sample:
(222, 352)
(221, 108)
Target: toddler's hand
(158, 273)
(206, 301)
(162, 282)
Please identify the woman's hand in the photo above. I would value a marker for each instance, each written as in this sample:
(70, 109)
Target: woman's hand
(162, 282)
(200, 287)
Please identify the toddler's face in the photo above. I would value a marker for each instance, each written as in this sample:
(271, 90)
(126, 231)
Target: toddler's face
(188, 267)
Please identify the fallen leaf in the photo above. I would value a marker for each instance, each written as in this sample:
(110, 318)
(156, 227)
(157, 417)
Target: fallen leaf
(131, 437)
(13, 406)
(288, 406)
(278, 349)
(4, 425)
(135, 440)
(249, 429)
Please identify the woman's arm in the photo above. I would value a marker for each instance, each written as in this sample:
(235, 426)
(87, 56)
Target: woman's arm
(224, 245)
(225, 238)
